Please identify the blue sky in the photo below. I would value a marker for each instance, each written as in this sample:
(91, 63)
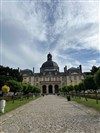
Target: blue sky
(30, 29)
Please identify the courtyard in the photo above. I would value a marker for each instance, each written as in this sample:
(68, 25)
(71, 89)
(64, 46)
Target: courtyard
(51, 114)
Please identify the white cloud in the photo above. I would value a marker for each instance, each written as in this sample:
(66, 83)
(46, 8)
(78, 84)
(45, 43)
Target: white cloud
(90, 63)
(37, 28)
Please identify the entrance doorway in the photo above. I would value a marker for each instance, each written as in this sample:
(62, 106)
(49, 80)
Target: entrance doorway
(50, 89)
(56, 89)
(44, 89)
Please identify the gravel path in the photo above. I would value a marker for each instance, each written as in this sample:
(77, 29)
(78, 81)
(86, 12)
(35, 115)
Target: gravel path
(51, 114)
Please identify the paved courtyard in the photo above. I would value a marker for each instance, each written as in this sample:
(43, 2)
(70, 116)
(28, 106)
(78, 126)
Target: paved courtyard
(51, 114)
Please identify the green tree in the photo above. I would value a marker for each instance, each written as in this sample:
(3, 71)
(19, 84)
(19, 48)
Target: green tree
(83, 88)
(36, 90)
(25, 89)
(97, 78)
(76, 88)
(91, 85)
(69, 88)
(94, 70)
(10, 74)
(64, 89)
(14, 87)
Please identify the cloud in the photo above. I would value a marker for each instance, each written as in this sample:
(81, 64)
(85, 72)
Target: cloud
(69, 30)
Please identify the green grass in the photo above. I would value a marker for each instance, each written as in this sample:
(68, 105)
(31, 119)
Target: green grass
(90, 103)
(17, 103)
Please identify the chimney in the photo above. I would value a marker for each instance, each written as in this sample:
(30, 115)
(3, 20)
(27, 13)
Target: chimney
(65, 68)
(18, 69)
(80, 67)
(33, 70)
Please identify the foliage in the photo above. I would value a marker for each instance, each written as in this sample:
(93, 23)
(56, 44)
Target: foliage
(97, 78)
(81, 86)
(36, 90)
(94, 70)
(76, 88)
(69, 88)
(27, 88)
(64, 89)
(7, 73)
(89, 83)
(5, 88)
(14, 85)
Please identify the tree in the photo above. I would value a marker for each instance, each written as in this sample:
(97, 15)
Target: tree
(97, 78)
(91, 85)
(36, 90)
(5, 88)
(14, 85)
(64, 89)
(10, 74)
(2, 81)
(25, 89)
(94, 70)
(76, 88)
(82, 88)
(69, 88)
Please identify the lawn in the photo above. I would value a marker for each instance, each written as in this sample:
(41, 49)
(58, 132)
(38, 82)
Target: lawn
(90, 103)
(17, 103)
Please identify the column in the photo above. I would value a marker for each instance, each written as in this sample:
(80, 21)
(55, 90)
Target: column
(53, 89)
(47, 89)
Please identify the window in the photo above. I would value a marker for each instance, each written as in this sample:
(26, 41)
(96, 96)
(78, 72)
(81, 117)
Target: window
(49, 73)
(36, 79)
(69, 77)
(36, 84)
(44, 73)
(58, 78)
(79, 77)
(43, 78)
(75, 78)
(29, 79)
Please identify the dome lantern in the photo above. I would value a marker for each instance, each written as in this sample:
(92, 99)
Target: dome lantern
(49, 65)
(49, 57)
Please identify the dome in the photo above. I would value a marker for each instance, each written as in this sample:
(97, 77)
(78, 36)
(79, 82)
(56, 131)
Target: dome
(49, 64)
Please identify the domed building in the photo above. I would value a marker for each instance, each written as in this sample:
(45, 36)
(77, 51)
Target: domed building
(50, 80)
(49, 66)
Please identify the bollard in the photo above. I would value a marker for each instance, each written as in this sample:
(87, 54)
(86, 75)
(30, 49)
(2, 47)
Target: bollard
(2, 105)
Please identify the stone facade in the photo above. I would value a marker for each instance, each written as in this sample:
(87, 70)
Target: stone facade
(50, 80)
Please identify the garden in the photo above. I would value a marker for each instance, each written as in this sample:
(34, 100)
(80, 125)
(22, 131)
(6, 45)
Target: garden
(86, 92)
(13, 92)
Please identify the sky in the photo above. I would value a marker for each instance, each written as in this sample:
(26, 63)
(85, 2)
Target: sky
(68, 29)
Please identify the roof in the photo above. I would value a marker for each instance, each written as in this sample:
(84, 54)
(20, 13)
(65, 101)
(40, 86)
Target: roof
(73, 69)
(50, 64)
(26, 72)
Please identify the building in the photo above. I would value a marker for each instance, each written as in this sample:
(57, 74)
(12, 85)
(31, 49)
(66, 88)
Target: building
(50, 79)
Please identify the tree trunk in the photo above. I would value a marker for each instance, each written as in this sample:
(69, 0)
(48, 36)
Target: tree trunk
(75, 94)
(79, 95)
(85, 96)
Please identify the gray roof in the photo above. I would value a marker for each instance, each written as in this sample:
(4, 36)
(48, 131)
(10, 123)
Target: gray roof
(26, 72)
(49, 64)
(73, 69)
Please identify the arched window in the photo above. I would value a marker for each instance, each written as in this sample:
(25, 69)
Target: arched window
(56, 89)
(44, 89)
